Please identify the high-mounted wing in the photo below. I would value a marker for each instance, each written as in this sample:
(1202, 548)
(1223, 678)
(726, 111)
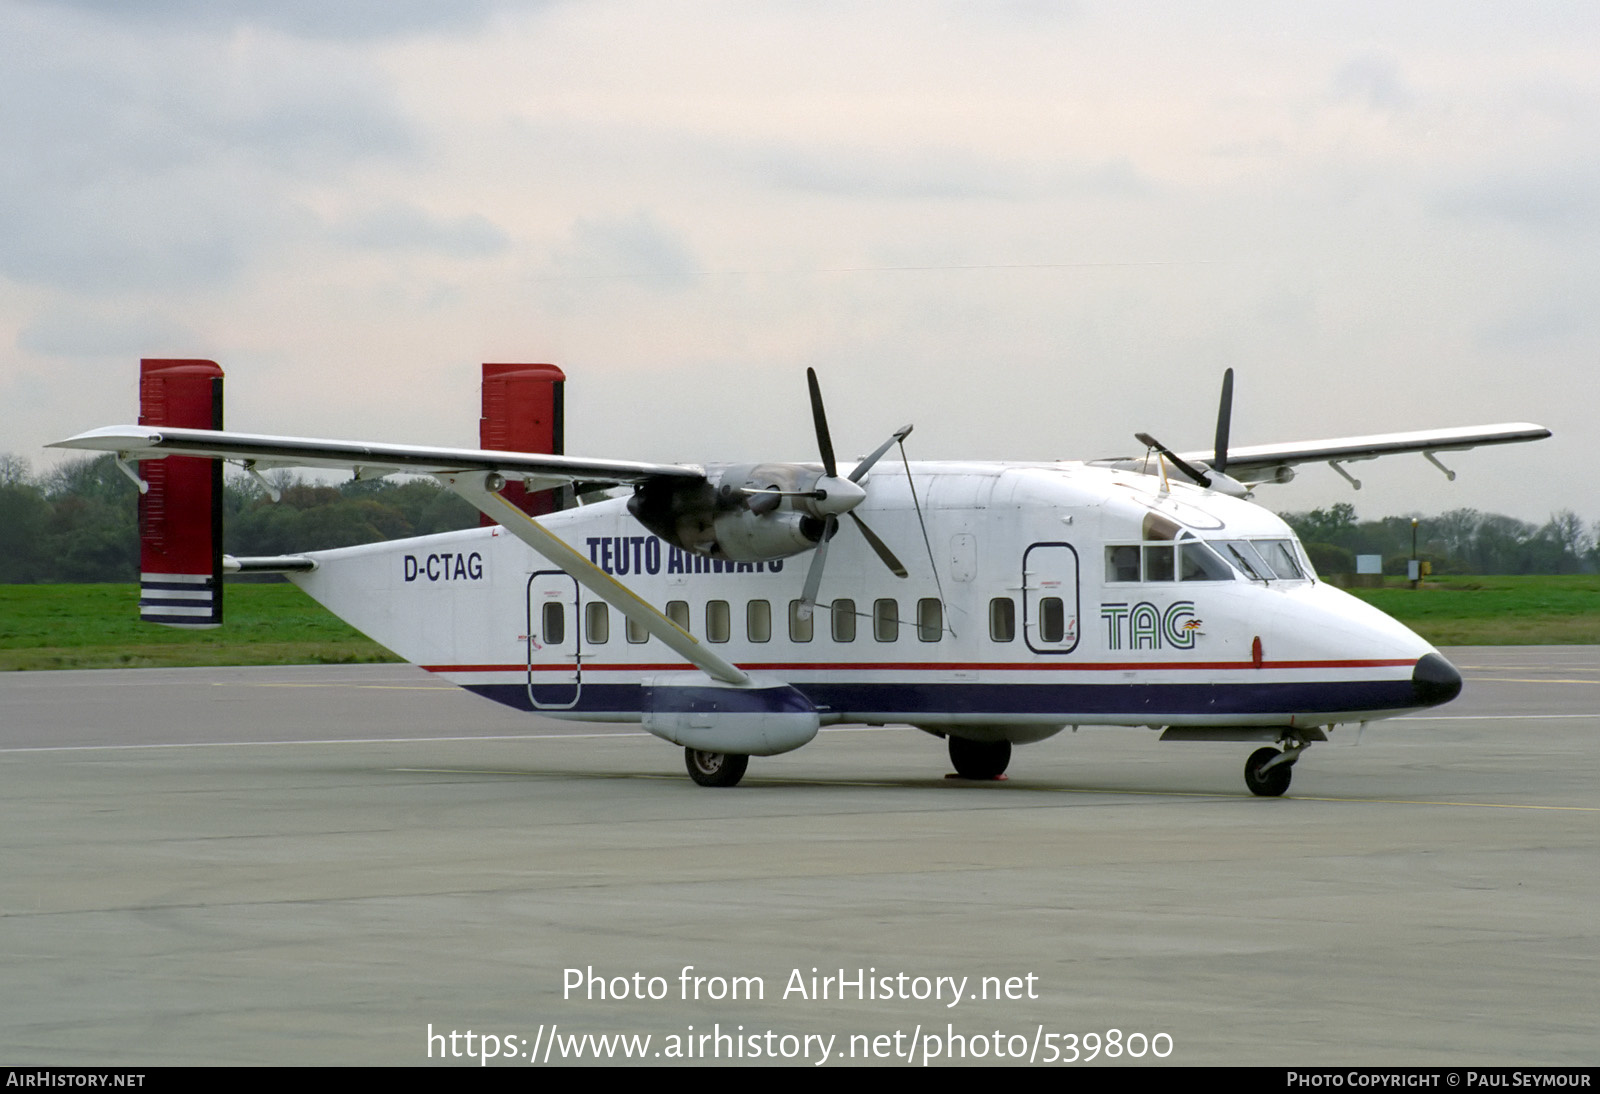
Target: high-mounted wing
(1269, 462)
(1233, 471)
(263, 452)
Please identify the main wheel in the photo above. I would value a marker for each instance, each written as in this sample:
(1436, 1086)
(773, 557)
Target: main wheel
(715, 768)
(1266, 784)
(979, 759)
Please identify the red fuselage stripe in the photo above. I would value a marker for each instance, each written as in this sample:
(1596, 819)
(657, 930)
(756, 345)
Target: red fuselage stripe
(952, 666)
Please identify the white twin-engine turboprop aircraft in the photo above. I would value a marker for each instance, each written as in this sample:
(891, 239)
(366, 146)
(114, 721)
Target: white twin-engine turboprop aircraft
(989, 603)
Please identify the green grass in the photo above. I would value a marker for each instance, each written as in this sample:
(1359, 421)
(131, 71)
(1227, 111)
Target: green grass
(1537, 609)
(98, 626)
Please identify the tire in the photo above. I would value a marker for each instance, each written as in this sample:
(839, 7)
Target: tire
(715, 768)
(979, 759)
(1270, 784)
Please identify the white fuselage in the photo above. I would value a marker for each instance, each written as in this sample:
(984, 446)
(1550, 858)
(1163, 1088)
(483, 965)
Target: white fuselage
(1055, 595)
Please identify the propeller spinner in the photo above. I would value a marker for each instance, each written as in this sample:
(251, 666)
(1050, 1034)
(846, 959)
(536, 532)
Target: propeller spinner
(1214, 477)
(767, 511)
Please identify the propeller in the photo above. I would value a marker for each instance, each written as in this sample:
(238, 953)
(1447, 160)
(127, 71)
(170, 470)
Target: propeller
(1219, 462)
(1216, 477)
(834, 496)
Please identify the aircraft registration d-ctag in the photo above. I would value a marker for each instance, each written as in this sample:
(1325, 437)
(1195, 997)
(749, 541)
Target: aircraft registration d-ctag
(736, 609)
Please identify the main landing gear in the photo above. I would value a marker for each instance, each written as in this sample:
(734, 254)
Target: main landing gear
(715, 768)
(1267, 771)
(979, 759)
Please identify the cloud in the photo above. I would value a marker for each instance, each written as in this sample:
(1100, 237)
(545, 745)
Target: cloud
(1557, 199)
(341, 20)
(1374, 82)
(634, 247)
(938, 174)
(71, 331)
(144, 161)
(405, 227)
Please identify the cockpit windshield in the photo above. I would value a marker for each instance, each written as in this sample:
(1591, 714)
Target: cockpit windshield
(1190, 559)
(1266, 559)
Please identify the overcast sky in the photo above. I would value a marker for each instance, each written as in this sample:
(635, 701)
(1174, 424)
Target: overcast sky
(1030, 228)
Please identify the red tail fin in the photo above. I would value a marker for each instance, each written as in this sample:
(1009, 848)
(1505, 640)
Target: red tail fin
(180, 516)
(522, 412)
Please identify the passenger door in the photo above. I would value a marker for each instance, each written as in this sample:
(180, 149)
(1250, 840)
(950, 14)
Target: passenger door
(1050, 598)
(555, 665)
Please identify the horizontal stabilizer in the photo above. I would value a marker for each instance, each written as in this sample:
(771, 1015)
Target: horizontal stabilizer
(268, 564)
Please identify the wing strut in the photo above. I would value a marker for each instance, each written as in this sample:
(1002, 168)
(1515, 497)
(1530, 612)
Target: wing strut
(482, 492)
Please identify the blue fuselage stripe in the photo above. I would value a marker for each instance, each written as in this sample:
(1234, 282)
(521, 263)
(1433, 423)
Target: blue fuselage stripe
(1136, 700)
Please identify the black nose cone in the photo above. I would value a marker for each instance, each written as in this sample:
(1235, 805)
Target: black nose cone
(1434, 681)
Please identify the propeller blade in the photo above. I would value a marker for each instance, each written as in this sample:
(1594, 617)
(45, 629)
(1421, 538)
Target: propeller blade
(820, 418)
(866, 465)
(882, 548)
(1216, 480)
(1195, 475)
(1219, 463)
(808, 598)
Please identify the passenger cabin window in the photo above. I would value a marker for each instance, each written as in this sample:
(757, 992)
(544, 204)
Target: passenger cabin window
(635, 632)
(930, 619)
(678, 612)
(554, 625)
(717, 621)
(1002, 619)
(597, 622)
(800, 629)
(1052, 619)
(758, 621)
(844, 620)
(885, 620)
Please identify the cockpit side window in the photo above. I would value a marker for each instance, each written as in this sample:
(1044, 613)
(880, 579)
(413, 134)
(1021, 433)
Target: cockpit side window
(1158, 560)
(1197, 562)
(1122, 563)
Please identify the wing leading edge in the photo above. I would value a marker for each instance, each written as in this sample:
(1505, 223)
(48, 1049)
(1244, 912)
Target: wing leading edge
(1274, 462)
(1264, 456)
(264, 452)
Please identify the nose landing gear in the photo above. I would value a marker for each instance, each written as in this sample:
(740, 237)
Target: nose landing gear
(1267, 771)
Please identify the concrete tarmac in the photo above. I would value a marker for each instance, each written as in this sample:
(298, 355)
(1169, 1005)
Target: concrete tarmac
(322, 865)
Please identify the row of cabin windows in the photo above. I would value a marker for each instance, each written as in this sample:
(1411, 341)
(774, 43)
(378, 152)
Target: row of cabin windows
(842, 621)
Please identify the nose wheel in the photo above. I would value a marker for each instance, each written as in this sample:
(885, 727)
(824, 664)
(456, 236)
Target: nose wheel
(1267, 771)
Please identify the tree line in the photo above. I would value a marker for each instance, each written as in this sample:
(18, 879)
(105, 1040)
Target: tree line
(1461, 541)
(79, 522)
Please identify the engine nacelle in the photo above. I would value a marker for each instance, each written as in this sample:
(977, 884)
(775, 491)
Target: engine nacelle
(744, 513)
(756, 537)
